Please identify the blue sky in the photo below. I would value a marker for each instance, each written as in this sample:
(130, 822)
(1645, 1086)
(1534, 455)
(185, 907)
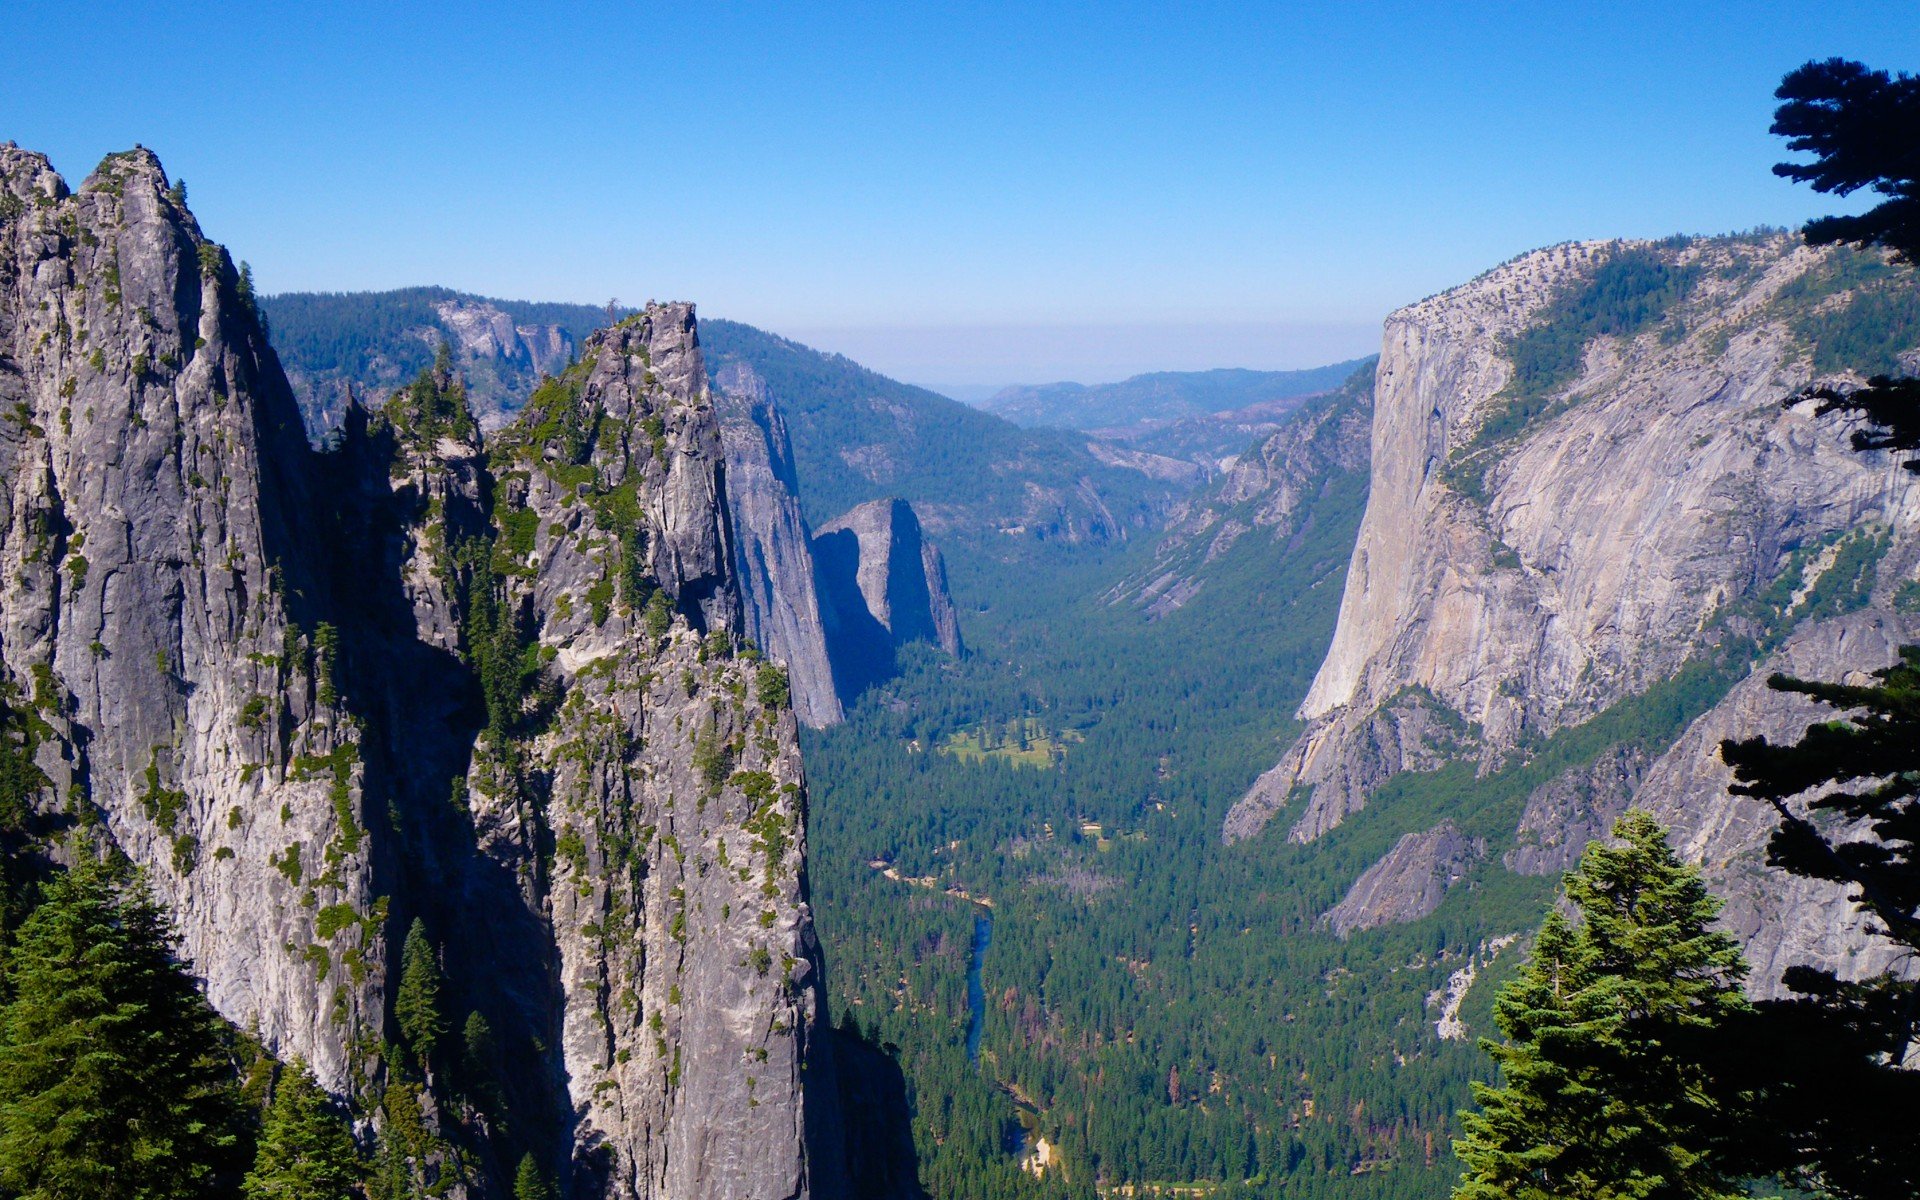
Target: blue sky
(957, 194)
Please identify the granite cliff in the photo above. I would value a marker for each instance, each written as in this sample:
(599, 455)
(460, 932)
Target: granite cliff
(833, 607)
(883, 585)
(1585, 488)
(989, 491)
(490, 688)
(773, 544)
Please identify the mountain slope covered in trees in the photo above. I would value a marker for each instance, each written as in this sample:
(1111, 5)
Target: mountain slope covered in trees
(993, 494)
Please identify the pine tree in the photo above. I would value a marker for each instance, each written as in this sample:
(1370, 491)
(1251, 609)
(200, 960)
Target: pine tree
(1860, 126)
(529, 1183)
(481, 1051)
(1834, 1119)
(21, 780)
(113, 1078)
(1603, 1093)
(480, 1046)
(1837, 1103)
(417, 1005)
(1864, 771)
(306, 1151)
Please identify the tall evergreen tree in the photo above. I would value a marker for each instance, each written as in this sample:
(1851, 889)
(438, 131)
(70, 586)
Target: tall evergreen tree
(417, 1005)
(306, 1150)
(1602, 1096)
(114, 1081)
(478, 1075)
(529, 1182)
(20, 781)
(1863, 772)
(1862, 127)
(1838, 1117)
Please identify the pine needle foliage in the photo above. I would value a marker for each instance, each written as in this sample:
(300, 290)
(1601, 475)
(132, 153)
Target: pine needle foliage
(306, 1150)
(416, 1006)
(1848, 797)
(1861, 773)
(529, 1183)
(1601, 1096)
(1860, 126)
(115, 1081)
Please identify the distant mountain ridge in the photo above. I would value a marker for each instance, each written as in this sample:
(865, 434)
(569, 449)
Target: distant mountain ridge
(857, 435)
(375, 342)
(1159, 398)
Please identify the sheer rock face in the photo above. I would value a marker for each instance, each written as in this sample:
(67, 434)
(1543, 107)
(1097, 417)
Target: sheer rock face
(482, 332)
(254, 670)
(683, 942)
(1409, 882)
(500, 360)
(883, 585)
(1413, 731)
(1612, 539)
(161, 594)
(833, 607)
(772, 542)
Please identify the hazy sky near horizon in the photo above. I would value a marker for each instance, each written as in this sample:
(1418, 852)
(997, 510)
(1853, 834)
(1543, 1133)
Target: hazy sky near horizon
(955, 194)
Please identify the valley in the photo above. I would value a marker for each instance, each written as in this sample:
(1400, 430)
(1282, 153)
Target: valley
(1166, 659)
(799, 783)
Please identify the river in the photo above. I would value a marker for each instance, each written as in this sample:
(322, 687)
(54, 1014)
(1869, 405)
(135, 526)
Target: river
(976, 994)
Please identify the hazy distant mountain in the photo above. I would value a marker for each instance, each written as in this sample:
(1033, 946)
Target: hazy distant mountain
(1217, 441)
(1159, 398)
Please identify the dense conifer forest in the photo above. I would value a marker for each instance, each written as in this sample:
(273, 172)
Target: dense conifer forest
(1145, 984)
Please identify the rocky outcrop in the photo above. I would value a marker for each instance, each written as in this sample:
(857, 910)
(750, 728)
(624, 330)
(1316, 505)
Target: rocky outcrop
(478, 331)
(1575, 807)
(883, 585)
(1781, 919)
(772, 543)
(494, 692)
(1177, 471)
(1531, 558)
(164, 603)
(669, 777)
(1409, 882)
(986, 489)
(1413, 731)
(339, 346)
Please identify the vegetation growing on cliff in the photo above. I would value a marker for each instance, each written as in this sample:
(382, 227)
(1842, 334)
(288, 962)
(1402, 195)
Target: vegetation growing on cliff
(1633, 289)
(306, 1149)
(1859, 125)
